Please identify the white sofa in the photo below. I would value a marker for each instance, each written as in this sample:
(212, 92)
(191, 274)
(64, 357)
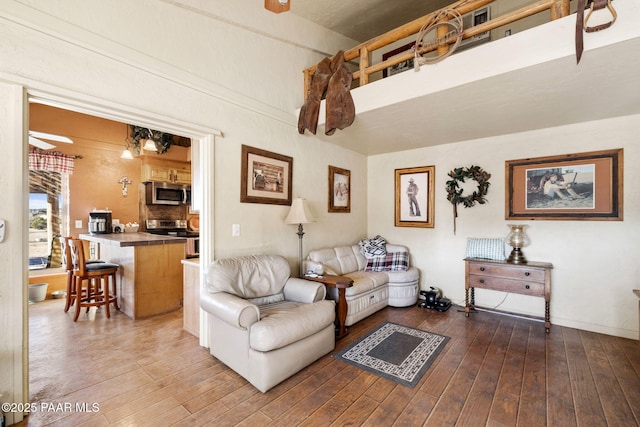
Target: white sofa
(264, 324)
(371, 290)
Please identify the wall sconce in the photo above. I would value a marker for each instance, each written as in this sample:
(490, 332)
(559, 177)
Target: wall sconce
(517, 239)
(299, 214)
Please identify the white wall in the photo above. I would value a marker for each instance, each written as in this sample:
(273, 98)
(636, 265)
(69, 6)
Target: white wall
(595, 262)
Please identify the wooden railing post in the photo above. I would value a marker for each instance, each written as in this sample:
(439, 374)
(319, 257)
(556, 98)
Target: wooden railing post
(364, 64)
(559, 9)
(441, 32)
(307, 81)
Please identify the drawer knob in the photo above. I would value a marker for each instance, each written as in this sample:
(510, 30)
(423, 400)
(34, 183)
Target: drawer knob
(481, 268)
(481, 280)
(527, 286)
(526, 273)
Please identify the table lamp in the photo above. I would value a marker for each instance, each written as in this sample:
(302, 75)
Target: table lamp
(517, 239)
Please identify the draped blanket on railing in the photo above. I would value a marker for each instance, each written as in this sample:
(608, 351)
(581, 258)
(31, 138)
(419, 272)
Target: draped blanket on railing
(51, 161)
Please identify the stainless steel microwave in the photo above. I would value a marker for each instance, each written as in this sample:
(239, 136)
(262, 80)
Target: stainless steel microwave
(166, 193)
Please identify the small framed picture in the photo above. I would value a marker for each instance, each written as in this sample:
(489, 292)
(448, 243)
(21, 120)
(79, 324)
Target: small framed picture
(580, 186)
(398, 68)
(339, 190)
(266, 177)
(415, 197)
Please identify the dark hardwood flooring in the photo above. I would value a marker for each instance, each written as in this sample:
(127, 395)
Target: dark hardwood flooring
(496, 370)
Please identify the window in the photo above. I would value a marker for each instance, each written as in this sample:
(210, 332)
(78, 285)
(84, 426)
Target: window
(46, 207)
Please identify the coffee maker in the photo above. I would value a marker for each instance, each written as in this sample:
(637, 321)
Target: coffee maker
(100, 222)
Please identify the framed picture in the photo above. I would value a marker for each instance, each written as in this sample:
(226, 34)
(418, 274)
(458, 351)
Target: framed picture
(266, 177)
(339, 190)
(582, 186)
(398, 68)
(415, 195)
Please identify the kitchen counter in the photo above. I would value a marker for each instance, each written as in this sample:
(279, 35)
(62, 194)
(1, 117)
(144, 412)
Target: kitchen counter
(193, 262)
(150, 273)
(132, 239)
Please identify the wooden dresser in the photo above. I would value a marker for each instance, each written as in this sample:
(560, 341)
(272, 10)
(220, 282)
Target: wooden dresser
(532, 278)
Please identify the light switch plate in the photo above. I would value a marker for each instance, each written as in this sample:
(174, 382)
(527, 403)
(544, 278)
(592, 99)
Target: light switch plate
(78, 223)
(235, 230)
(2, 230)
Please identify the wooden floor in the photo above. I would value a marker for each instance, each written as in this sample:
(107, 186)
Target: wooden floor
(495, 370)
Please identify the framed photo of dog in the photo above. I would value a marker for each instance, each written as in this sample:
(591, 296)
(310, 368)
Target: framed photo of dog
(580, 186)
(415, 197)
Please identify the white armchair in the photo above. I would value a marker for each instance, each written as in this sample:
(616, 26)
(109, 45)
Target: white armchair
(263, 324)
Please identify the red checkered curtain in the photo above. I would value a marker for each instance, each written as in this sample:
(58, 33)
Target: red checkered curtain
(51, 161)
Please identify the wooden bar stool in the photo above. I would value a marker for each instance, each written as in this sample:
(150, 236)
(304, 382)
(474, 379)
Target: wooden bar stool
(97, 292)
(68, 266)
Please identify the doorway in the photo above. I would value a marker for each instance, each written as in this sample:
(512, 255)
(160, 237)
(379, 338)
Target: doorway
(202, 159)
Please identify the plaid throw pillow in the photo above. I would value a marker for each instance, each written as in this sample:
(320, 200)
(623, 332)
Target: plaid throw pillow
(485, 248)
(392, 261)
(372, 248)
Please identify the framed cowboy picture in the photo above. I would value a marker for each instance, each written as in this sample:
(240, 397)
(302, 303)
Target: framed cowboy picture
(415, 196)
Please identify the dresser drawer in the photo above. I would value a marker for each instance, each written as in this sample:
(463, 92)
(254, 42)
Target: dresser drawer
(506, 285)
(497, 270)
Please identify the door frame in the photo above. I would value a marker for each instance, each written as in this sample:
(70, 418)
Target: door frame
(204, 136)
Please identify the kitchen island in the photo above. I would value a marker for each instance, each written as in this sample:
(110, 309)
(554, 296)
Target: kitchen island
(150, 274)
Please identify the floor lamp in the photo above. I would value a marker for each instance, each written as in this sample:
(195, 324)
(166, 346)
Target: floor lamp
(299, 214)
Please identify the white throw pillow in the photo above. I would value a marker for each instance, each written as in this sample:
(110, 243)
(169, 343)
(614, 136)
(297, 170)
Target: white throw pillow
(372, 248)
(485, 248)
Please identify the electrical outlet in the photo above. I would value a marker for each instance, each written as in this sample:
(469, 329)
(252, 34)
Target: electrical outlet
(235, 230)
(78, 223)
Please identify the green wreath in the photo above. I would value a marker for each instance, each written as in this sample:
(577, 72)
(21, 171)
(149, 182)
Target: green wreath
(454, 192)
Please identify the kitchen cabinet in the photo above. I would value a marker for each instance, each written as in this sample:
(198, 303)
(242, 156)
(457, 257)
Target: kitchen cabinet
(166, 171)
(191, 305)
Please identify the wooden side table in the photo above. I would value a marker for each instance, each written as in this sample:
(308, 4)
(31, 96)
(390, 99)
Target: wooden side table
(341, 283)
(531, 278)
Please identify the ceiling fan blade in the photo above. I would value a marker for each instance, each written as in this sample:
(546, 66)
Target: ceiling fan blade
(277, 6)
(50, 137)
(40, 144)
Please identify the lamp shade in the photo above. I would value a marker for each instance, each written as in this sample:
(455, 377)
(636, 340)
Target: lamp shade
(517, 237)
(299, 212)
(126, 154)
(150, 145)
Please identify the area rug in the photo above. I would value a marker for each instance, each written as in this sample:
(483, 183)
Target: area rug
(395, 352)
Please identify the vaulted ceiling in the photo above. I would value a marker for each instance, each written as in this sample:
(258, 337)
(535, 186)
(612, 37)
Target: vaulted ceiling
(362, 20)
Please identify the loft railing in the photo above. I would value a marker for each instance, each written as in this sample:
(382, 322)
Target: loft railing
(557, 9)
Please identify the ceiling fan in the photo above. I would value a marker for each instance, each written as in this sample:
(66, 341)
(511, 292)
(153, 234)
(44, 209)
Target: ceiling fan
(35, 139)
(277, 6)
